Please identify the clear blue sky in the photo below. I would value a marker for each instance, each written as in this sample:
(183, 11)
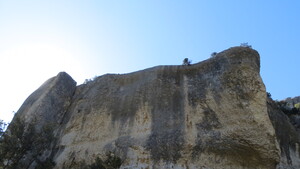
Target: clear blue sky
(38, 39)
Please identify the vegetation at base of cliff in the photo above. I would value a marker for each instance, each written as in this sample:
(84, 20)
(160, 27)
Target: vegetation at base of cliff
(111, 162)
(47, 164)
(21, 139)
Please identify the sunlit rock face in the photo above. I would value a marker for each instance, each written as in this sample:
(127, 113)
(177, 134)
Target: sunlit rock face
(49, 103)
(212, 114)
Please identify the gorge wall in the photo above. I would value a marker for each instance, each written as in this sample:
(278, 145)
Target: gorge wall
(213, 114)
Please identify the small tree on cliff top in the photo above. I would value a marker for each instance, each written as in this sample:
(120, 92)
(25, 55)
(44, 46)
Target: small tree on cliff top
(246, 45)
(186, 62)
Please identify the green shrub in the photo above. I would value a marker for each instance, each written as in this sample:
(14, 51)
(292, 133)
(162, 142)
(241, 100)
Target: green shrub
(48, 164)
(2, 127)
(99, 164)
(269, 95)
(286, 109)
(20, 139)
(214, 54)
(111, 162)
(186, 62)
(297, 105)
(245, 45)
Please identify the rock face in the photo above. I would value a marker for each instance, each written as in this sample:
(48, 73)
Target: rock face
(213, 114)
(49, 103)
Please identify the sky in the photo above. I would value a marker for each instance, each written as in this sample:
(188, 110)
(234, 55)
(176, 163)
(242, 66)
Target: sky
(39, 39)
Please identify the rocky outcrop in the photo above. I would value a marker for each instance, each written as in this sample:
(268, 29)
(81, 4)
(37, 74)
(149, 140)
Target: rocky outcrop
(212, 114)
(49, 103)
(44, 108)
(287, 135)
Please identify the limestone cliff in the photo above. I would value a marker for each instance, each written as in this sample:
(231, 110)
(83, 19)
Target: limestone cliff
(213, 114)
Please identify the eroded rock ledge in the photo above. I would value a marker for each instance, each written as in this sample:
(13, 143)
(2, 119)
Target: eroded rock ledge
(212, 114)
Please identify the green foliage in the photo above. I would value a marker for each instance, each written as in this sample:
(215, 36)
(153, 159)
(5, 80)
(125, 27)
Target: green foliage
(286, 109)
(214, 54)
(269, 95)
(2, 127)
(48, 164)
(297, 105)
(86, 81)
(20, 139)
(98, 164)
(15, 143)
(186, 62)
(111, 162)
(245, 45)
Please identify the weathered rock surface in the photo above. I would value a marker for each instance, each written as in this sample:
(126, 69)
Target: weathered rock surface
(213, 114)
(287, 135)
(49, 103)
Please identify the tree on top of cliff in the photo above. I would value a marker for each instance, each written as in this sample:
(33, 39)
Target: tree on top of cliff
(246, 45)
(214, 54)
(186, 62)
